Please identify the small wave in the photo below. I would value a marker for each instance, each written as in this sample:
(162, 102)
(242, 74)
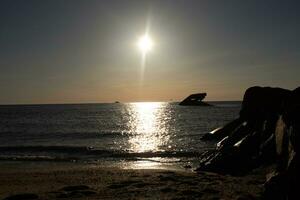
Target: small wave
(33, 158)
(64, 153)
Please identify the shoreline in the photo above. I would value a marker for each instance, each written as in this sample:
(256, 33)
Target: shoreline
(85, 181)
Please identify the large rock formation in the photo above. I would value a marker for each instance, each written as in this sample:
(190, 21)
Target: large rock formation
(266, 131)
(194, 100)
(283, 183)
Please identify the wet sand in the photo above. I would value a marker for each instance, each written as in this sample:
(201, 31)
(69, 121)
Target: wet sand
(75, 181)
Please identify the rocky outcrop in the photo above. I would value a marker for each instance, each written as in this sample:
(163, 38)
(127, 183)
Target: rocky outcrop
(283, 182)
(266, 131)
(194, 100)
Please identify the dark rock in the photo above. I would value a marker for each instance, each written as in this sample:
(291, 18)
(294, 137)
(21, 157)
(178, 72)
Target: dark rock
(267, 131)
(284, 183)
(233, 159)
(194, 100)
(263, 102)
(248, 141)
(275, 187)
(25, 196)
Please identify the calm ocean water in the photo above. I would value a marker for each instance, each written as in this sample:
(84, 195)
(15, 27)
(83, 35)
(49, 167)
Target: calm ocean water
(140, 133)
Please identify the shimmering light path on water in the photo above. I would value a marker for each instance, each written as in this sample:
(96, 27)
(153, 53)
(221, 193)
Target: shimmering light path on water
(148, 122)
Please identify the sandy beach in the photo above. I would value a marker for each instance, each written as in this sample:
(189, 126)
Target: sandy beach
(75, 181)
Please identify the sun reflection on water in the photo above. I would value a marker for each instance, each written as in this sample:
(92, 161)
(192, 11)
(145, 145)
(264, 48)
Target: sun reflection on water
(147, 122)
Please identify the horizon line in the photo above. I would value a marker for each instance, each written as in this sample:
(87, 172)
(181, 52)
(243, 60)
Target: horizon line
(116, 102)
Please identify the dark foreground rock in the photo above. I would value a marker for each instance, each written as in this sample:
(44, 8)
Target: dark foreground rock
(194, 100)
(266, 132)
(25, 196)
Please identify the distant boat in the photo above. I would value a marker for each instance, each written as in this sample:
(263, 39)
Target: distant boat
(117, 102)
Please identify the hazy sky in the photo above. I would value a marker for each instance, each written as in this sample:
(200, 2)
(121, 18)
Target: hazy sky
(69, 51)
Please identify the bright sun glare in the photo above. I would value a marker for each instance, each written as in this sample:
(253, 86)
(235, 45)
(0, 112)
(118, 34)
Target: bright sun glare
(145, 44)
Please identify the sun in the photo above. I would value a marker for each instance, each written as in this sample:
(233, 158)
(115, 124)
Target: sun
(145, 44)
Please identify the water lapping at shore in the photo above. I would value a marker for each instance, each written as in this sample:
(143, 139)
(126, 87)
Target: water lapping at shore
(69, 153)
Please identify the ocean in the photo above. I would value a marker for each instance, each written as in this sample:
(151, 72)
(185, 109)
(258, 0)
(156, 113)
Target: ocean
(130, 135)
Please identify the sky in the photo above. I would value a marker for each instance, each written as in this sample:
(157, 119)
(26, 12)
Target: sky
(79, 51)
